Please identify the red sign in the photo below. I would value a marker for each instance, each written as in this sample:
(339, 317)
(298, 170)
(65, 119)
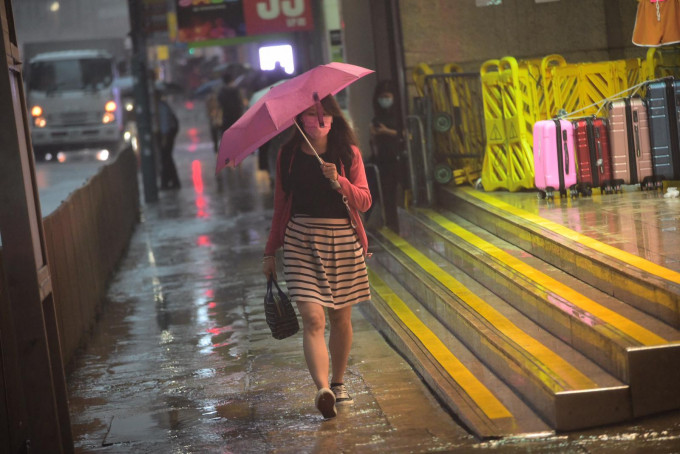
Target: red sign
(275, 16)
(204, 20)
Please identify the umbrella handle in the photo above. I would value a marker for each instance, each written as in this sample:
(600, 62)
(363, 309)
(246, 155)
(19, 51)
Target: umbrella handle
(321, 161)
(319, 108)
(334, 183)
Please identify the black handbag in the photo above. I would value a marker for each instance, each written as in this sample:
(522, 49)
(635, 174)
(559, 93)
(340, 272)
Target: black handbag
(279, 312)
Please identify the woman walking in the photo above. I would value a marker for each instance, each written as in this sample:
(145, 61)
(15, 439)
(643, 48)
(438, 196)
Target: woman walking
(316, 220)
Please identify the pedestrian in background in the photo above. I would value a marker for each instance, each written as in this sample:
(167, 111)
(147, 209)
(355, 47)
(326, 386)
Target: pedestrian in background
(214, 111)
(386, 144)
(168, 125)
(324, 242)
(230, 101)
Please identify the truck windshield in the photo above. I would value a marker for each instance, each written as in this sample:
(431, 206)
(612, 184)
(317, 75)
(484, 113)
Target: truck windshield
(75, 74)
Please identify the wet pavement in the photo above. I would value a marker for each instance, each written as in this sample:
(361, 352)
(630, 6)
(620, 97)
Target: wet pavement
(182, 361)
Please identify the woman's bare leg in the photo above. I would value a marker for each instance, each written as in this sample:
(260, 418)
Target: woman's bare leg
(314, 342)
(340, 341)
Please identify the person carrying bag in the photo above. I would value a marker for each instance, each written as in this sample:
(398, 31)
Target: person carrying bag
(316, 220)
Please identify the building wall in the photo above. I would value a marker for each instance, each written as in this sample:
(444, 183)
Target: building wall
(457, 31)
(359, 50)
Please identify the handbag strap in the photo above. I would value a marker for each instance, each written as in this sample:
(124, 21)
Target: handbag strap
(269, 284)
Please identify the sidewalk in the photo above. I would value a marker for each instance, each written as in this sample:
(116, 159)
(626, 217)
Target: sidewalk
(182, 360)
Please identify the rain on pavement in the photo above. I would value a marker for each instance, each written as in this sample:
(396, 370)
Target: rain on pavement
(182, 361)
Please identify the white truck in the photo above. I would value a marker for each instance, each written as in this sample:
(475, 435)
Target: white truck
(74, 103)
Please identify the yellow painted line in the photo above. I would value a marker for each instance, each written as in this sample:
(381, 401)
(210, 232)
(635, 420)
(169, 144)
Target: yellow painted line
(546, 357)
(631, 259)
(480, 394)
(628, 327)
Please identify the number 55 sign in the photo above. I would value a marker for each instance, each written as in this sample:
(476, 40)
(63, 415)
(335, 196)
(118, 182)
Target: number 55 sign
(275, 16)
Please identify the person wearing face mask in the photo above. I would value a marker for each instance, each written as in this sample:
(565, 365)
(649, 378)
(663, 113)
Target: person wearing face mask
(386, 144)
(316, 220)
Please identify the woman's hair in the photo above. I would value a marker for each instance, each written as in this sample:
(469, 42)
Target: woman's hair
(340, 140)
(384, 86)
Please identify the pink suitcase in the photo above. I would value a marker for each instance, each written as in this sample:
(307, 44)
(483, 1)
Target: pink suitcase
(629, 142)
(554, 163)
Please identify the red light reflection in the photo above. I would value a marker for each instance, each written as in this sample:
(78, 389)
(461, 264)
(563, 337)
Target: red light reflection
(189, 105)
(197, 178)
(203, 240)
(193, 138)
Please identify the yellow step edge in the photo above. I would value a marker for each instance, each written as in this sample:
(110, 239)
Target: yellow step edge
(626, 326)
(548, 359)
(480, 394)
(627, 257)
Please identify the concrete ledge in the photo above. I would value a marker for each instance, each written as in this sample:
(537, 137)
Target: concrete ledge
(654, 378)
(85, 237)
(638, 287)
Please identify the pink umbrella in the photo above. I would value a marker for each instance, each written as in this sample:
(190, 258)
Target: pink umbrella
(275, 112)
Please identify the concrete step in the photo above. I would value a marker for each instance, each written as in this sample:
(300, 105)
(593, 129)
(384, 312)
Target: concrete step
(568, 393)
(477, 397)
(627, 343)
(649, 287)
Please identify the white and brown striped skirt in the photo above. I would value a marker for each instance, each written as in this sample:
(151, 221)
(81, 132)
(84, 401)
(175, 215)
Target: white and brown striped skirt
(324, 262)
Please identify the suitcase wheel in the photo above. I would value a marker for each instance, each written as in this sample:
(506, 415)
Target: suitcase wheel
(618, 186)
(659, 183)
(648, 183)
(541, 194)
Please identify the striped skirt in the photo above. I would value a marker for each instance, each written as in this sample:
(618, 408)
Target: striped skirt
(324, 263)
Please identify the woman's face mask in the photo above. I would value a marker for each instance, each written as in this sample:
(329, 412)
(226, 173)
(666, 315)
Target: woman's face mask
(310, 123)
(386, 101)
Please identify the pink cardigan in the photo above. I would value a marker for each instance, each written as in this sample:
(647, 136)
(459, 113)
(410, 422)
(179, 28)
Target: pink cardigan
(355, 188)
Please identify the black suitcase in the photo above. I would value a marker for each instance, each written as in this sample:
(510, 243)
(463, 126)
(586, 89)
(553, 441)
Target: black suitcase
(663, 107)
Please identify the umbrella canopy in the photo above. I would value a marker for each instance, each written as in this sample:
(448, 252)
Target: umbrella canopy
(207, 87)
(260, 93)
(276, 110)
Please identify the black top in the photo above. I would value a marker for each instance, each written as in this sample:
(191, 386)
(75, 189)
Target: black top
(231, 104)
(312, 192)
(387, 146)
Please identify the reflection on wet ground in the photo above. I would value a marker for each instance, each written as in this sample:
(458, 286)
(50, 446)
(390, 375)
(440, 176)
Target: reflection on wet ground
(644, 223)
(182, 361)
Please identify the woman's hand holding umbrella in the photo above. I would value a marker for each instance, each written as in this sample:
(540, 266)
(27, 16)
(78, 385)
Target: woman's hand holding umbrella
(331, 172)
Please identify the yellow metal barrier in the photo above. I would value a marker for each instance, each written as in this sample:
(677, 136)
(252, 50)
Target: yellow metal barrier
(661, 62)
(457, 127)
(548, 106)
(516, 95)
(495, 164)
(531, 71)
(583, 87)
(565, 88)
(518, 123)
(421, 71)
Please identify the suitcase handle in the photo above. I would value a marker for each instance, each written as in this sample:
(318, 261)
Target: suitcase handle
(637, 140)
(600, 161)
(566, 152)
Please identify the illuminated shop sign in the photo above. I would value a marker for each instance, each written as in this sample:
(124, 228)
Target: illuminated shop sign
(203, 20)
